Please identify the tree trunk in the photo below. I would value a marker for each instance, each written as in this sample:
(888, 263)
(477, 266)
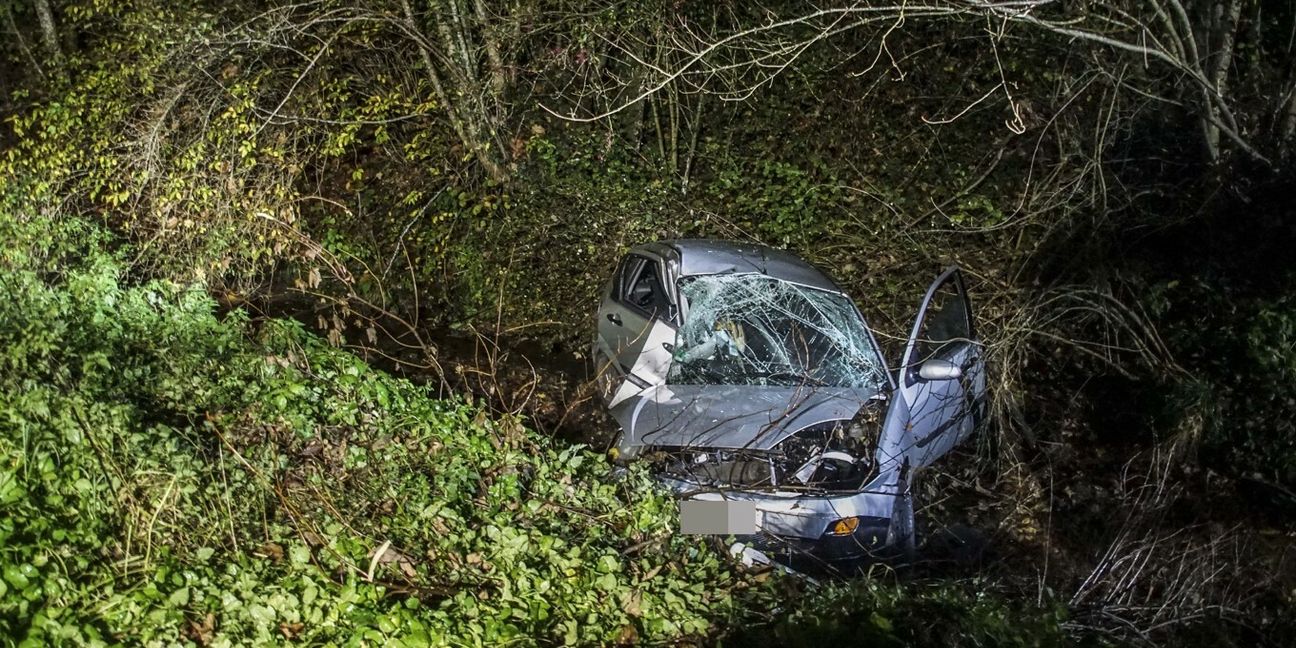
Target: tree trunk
(498, 74)
(471, 123)
(1287, 133)
(1226, 27)
(633, 118)
(1287, 117)
(49, 33)
(673, 96)
(22, 42)
(691, 153)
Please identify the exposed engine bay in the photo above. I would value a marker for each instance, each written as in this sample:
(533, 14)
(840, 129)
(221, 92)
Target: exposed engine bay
(836, 456)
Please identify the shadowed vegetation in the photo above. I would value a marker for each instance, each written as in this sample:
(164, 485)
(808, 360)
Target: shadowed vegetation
(297, 298)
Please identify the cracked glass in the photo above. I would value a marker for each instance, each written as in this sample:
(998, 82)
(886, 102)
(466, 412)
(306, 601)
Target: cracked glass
(752, 329)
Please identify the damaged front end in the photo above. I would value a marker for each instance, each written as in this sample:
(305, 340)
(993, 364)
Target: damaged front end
(775, 395)
(817, 494)
(751, 381)
(832, 457)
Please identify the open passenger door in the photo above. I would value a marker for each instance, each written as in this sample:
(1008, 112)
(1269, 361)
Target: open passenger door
(941, 383)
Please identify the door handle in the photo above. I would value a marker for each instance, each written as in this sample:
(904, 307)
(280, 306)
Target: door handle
(614, 318)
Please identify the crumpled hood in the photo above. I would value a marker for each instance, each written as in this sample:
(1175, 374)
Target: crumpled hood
(731, 416)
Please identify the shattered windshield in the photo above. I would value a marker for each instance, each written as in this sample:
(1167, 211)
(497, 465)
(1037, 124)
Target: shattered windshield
(751, 329)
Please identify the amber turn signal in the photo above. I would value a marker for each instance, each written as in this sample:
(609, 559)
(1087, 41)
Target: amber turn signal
(844, 526)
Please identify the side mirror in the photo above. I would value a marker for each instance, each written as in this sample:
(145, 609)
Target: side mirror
(938, 369)
(670, 348)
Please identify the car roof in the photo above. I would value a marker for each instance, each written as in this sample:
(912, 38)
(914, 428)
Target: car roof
(709, 256)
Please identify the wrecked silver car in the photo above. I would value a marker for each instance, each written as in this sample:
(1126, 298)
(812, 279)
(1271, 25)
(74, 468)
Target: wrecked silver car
(748, 378)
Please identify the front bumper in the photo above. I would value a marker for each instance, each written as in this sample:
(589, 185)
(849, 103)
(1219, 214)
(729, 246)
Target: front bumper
(869, 540)
(797, 523)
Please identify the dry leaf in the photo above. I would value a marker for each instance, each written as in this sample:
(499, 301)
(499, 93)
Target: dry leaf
(201, 633)
(271, 550)
(628, 636)
(290, 630)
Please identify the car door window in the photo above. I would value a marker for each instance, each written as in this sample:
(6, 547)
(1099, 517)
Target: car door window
(945, 324)
(645, 291)
(625, 274)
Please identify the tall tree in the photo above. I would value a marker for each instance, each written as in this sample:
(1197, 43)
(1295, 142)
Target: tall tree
(48, 30)
(464, 63)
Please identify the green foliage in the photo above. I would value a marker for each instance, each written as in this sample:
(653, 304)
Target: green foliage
(160, 463)
(171, 476)
(541, 256)
(785, 204)
(213, 164)
(976, 211)
(1271, 340)
(1243, 383)
(159, 466)
(1253, 424)
(873, 614)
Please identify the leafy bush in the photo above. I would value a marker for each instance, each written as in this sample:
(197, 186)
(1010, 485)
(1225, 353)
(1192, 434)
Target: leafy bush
(168, 475)
(873, 614)
(158, 466)
(1242, 372)
(1254, 389)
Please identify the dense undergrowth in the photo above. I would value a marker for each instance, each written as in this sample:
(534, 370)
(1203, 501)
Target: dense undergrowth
(171, 475)
(173, 449)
